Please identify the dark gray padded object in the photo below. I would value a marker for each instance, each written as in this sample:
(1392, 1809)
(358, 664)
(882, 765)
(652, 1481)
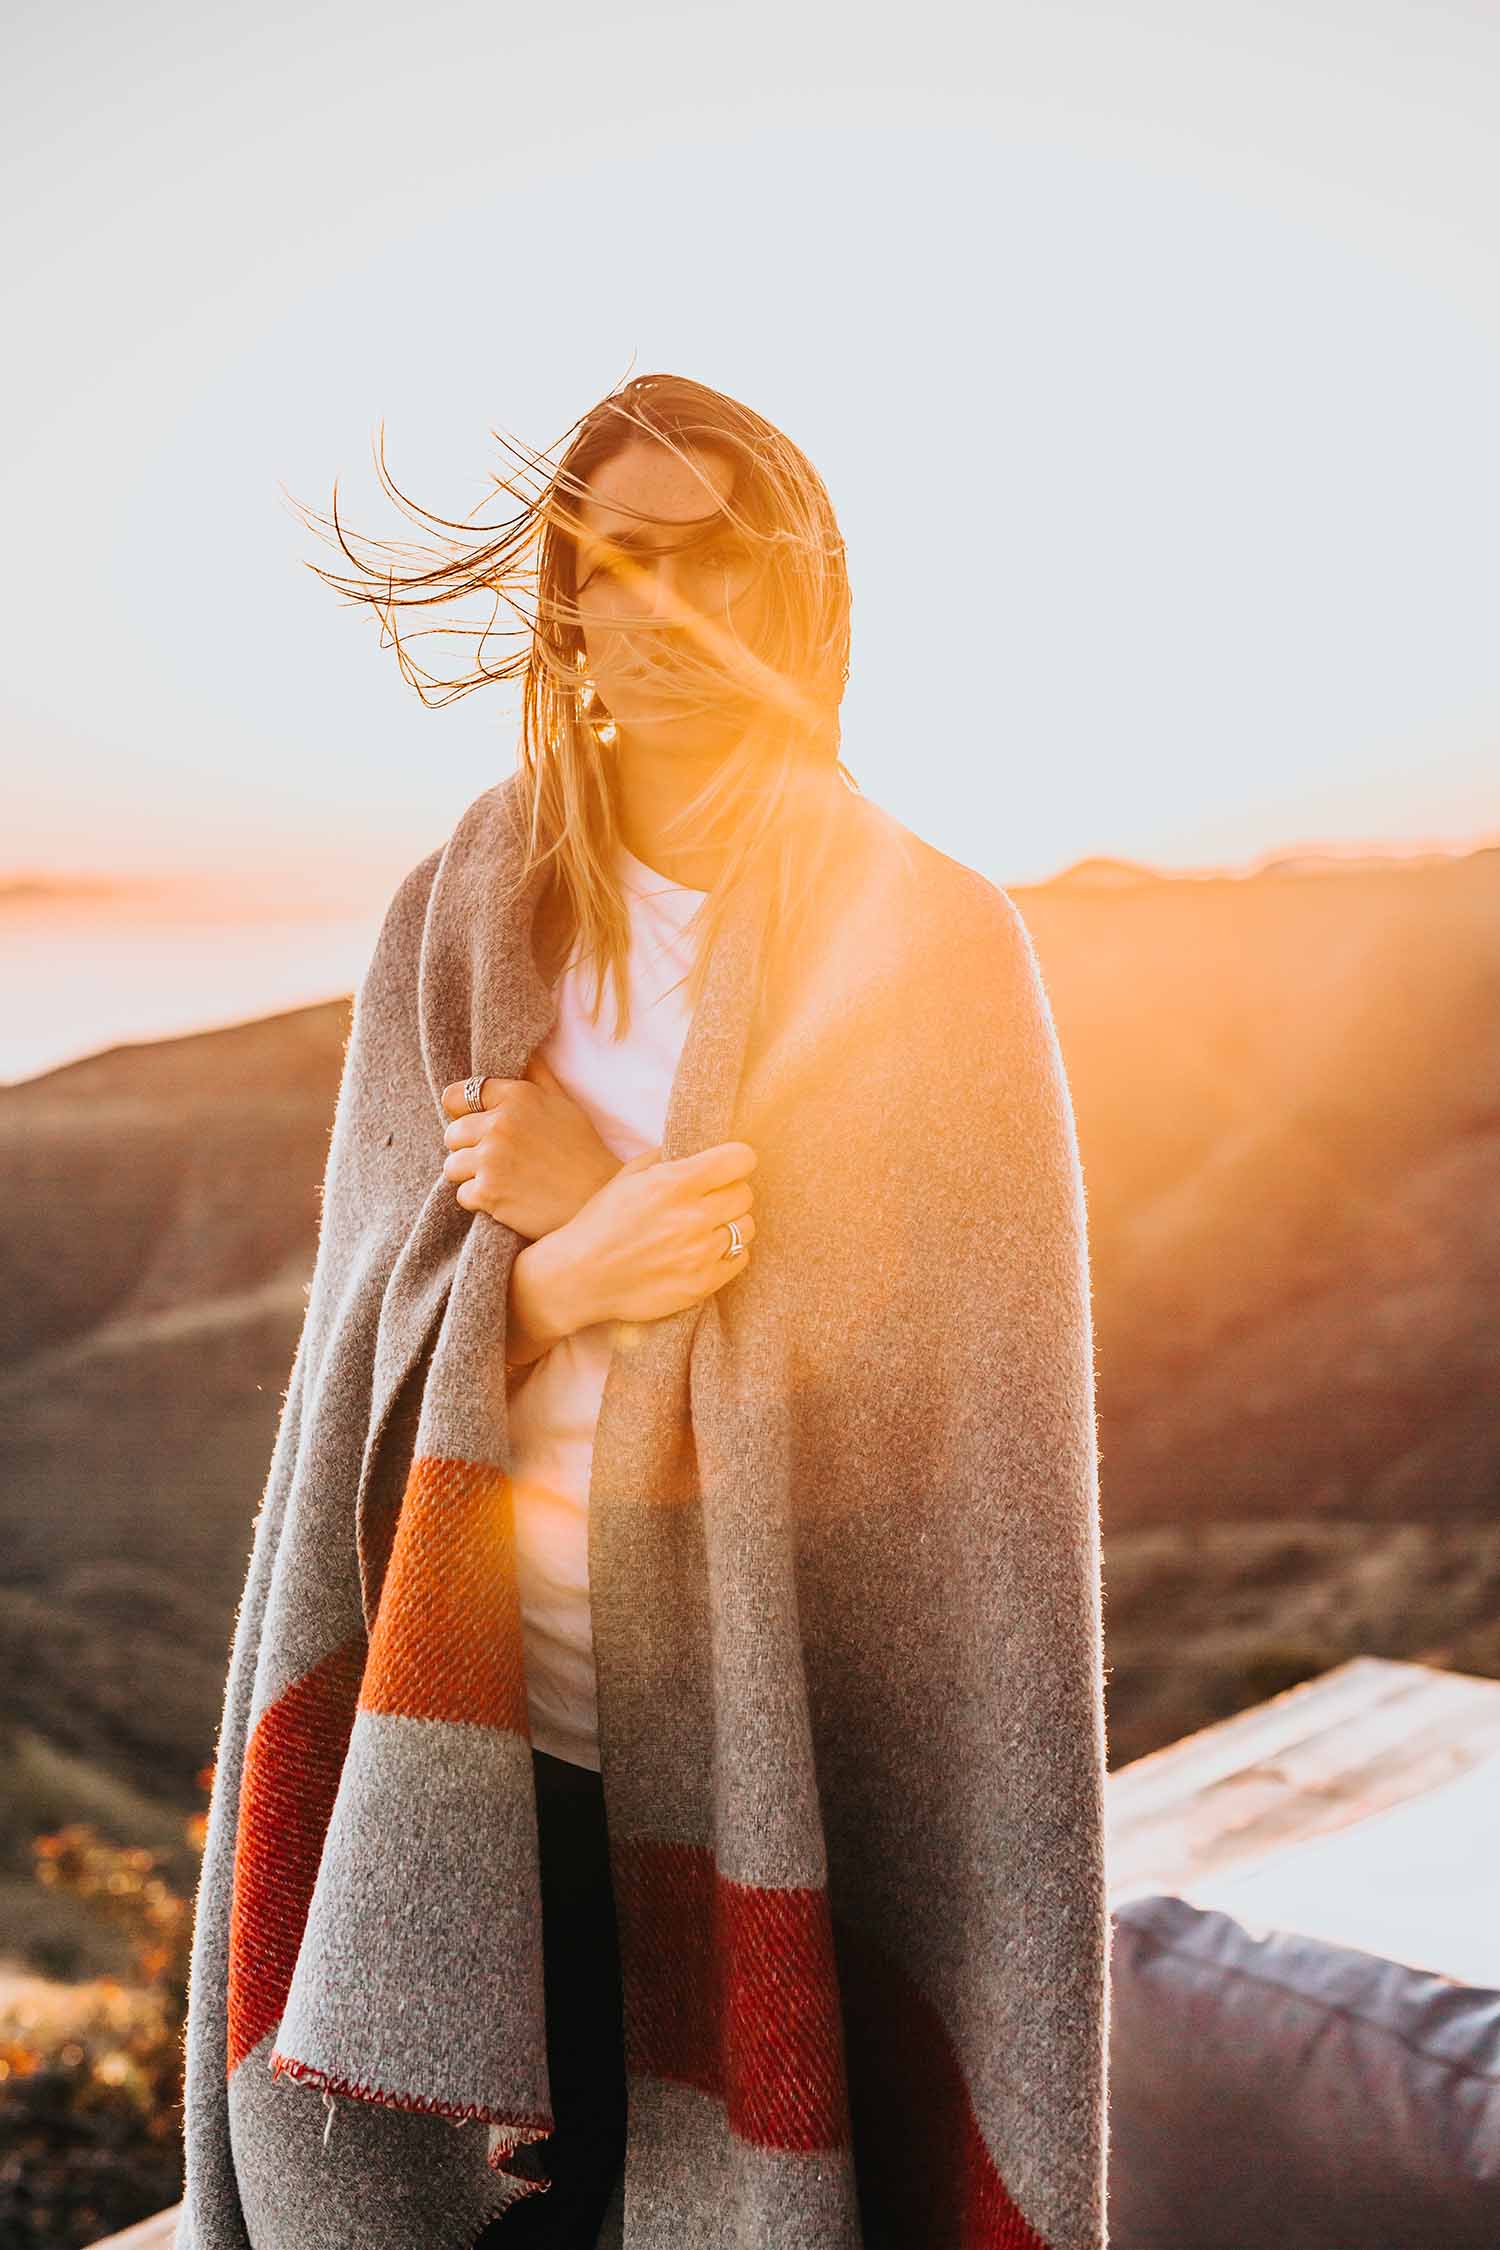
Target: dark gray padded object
(1280, 2093)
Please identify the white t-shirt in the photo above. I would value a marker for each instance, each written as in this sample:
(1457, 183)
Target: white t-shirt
(623, 1085)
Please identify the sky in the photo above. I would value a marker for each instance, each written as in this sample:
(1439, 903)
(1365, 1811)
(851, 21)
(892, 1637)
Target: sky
(1149, 355)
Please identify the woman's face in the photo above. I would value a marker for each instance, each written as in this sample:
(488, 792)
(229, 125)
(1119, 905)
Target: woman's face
(686, 575)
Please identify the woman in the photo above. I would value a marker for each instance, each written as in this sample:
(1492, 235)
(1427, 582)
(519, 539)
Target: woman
(780, 1560)
(654, 555)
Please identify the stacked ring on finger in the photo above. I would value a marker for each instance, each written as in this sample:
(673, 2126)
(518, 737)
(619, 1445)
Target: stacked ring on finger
(736, 1239)
(474, 1093)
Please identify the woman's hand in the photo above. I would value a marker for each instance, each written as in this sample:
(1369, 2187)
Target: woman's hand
(530, 1157)
(647, 1243)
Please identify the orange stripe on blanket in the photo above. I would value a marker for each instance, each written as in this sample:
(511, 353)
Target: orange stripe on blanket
(731, 1988)
(447, 1638)
(292, 1765)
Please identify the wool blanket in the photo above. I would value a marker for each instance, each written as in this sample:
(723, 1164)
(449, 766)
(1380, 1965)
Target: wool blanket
(845, 1575)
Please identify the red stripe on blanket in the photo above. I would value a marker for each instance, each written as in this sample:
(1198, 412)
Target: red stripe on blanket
(292, 1765)
(922, 2161)
(731, 1988)
(447, 1638)
(735, 1990)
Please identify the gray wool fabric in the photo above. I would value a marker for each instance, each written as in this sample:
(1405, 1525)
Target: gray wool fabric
(845, 1578)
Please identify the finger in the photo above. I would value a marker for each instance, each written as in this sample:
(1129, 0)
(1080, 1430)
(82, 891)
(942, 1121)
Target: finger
(717, 1166)
(464, 1131)
(728, 1202)
(720, 1235)
(455, 1102)
(643, 1162)
(461, 1165)
(723, 1269)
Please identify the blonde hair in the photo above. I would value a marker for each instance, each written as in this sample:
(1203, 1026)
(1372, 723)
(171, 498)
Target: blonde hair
(769, 802)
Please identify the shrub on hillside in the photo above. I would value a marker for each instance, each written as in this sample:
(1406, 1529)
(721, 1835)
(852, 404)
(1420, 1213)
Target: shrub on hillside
(91, 2074)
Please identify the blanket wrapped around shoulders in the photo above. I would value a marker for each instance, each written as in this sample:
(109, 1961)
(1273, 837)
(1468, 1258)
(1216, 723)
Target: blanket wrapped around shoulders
(846, 1593)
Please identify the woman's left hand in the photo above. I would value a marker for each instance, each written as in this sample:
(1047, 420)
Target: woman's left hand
(531, 1156)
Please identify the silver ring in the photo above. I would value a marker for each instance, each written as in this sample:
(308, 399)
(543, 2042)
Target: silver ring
(474, 1093)
(736, 1239)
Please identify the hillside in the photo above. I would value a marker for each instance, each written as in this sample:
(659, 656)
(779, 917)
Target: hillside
(1288, 1094)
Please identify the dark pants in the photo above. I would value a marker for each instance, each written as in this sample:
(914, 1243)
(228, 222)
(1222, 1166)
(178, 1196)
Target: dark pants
(585, 2027)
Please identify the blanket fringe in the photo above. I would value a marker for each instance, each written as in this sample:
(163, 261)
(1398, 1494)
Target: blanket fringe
(515, 2133)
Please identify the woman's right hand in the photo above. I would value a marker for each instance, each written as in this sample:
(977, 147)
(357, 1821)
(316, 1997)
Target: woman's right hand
(652, 1239)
